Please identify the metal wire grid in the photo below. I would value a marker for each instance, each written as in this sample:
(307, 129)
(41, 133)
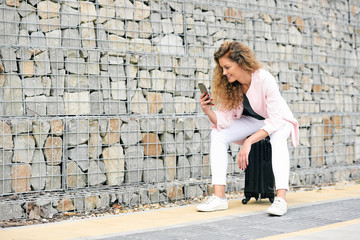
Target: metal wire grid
(75, 162)
(131, 147)
(333, 72)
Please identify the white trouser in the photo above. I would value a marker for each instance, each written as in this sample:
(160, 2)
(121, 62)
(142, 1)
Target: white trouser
(239, 130)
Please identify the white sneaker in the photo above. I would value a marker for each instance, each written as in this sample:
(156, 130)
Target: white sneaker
(278, 208)
(213, 203)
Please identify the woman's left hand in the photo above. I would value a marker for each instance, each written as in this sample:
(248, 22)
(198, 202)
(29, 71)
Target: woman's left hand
(243, 155)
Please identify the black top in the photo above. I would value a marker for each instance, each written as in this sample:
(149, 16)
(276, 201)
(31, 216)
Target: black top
(248, 111)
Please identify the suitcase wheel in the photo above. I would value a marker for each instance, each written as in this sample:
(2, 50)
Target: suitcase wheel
(245, 200)
(271, 199)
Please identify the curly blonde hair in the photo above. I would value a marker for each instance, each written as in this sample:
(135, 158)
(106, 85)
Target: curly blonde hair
(229, 95)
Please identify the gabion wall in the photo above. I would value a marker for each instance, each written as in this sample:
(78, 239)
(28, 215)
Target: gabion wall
(99, 99)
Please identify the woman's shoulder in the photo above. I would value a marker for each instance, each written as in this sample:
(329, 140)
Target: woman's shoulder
(263, 74)
(265, 79)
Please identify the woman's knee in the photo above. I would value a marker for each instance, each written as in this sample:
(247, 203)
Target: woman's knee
(217, 135)
(280, 135)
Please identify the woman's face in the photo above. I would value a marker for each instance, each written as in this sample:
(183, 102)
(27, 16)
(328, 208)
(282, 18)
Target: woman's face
(232, 70)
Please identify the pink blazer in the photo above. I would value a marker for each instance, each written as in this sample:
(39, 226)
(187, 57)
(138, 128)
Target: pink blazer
(265, 99)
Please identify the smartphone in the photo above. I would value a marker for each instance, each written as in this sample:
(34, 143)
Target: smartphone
(203, 89)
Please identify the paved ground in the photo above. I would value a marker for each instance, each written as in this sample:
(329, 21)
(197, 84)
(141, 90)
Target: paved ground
(258, 225)
(325, 214)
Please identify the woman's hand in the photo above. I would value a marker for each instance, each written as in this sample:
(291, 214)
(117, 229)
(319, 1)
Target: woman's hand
(243, 155)
(206, 105)
(205, 102)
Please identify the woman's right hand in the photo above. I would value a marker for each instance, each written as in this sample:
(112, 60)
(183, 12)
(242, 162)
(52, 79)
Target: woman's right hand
(205, 102)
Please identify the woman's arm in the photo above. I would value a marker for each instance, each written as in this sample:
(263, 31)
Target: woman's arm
(204, 102)
(243, 155)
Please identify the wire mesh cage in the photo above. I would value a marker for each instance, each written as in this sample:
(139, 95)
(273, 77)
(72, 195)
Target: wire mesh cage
(99, 99)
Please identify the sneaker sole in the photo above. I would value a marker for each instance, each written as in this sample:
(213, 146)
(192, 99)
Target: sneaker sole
(275, 214)
(218, 209)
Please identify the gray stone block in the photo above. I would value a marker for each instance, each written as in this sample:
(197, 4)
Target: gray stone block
(77, 131)
(130, 133)
(75, 177)
(24, 147)
(9, 28)
(168, 143)
(113, 158)
(180, 144)
(96, 173)
(104, 201)
(21, 126)
(38, 171)
(48, 211)
(115, 107)
(37, 40)
(5, 171)
(185, 86)
(168, 104)
(80, 154)
(96, 103)
(10, 211)
(183, 168)
(42, 63)
(153, 170)
(150, 124)
(71, 39)
(9, 59)
(53, 178)
(36, 105)
(193, 145)
(186, 125)
(200, 28)
(134, 164)
(116, 72)
(79, 203)
(196, 162)
(75, 65)
(171, 44)
(144, 198)
(31, 22)
(193, 191)
(55, 105)
(33, 86)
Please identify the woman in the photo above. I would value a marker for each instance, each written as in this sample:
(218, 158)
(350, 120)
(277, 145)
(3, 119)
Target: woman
(249, 103)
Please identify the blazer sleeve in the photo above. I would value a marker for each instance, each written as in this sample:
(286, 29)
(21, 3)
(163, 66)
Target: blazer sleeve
(274, 105)
(224, 118)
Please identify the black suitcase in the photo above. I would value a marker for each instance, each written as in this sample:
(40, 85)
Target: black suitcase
(259, 176)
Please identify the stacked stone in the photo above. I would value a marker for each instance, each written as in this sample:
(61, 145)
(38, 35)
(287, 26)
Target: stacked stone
(49, 205)
(31, 155)
(91, 64)
(60, 70)
(36, 154)
(328, 150)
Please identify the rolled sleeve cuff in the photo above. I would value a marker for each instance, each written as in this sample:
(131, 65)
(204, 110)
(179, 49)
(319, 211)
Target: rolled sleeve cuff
(272, 125)
(223, 120)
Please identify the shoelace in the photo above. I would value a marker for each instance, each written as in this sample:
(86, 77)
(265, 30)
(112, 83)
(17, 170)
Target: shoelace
(210, 199)
(277, 203)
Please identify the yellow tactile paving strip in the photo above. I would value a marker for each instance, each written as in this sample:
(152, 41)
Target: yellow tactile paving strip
(164, 217)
